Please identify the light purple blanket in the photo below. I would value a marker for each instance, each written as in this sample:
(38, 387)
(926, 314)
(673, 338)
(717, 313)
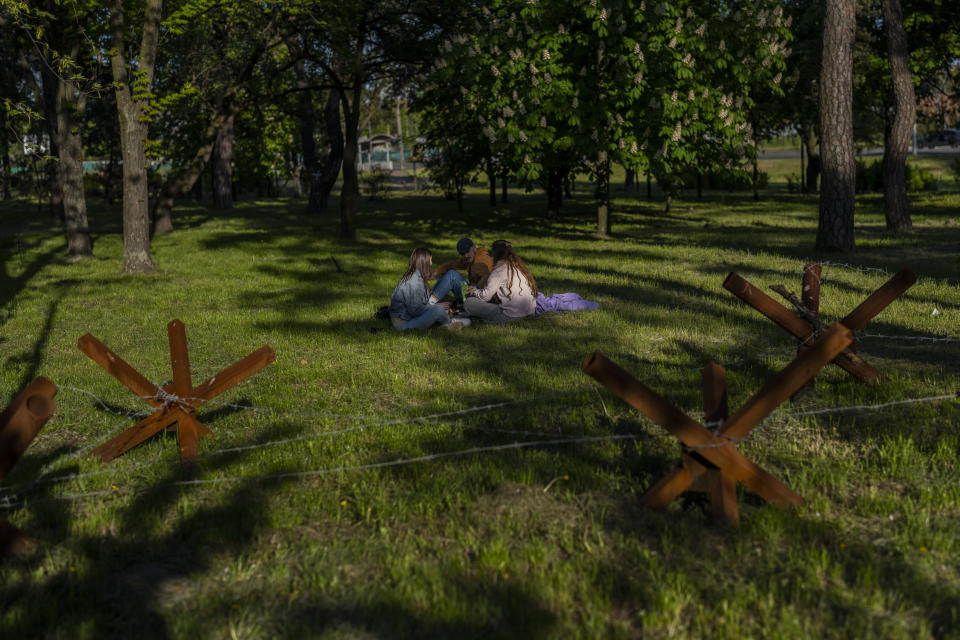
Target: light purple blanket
(563, 302)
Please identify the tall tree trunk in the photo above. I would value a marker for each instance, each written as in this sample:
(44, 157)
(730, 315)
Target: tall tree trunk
(223, 167)
(400, 137)
(835, 230)
(191, 176)
(71, 170)
(308, 145)
(133, 132)
(54, 175)
(5, 150)
(322, 178)
(554, 191)
(503, 187)
(813, 159)
(649, 187)
(897, 143)
(350, 192)
(492, 182)
(803, 179)
(603, 194)
(629, 179)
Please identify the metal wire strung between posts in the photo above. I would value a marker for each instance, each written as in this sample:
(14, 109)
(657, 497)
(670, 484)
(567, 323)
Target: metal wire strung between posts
(41, 479)
(882, 405)
(13, 502)
(713, 426)
(155, 462)
(851, 267)
(898, 338)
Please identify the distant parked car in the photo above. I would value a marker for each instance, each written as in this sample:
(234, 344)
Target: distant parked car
(940, 138)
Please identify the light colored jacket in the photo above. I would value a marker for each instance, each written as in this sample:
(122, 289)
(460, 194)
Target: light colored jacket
(516, 297)
(410, 298)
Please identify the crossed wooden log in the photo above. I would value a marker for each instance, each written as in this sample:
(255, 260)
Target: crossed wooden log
(175, 402)
(807, 325)
(711, 462)
(19, 424)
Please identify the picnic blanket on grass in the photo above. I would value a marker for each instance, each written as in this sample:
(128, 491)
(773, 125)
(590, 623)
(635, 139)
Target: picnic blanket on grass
(564, 302)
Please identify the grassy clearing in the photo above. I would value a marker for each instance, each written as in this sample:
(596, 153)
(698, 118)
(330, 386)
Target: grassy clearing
(288, 528)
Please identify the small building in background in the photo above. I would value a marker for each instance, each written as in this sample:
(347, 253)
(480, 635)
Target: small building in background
(383, 153)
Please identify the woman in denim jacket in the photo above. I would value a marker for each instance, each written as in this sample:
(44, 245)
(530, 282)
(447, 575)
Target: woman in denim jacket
(410, 306)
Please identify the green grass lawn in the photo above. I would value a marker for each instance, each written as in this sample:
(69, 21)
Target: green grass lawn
(477, 483)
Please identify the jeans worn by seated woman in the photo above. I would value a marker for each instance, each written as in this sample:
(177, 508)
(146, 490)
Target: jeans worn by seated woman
(451, 280)
(410, 306)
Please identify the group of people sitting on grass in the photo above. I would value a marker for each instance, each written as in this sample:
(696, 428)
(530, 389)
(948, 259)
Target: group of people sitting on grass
(498, 288)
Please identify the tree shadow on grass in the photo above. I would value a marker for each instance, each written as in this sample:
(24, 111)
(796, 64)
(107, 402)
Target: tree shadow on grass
(114, 575)
(801, 562)
(11, 286)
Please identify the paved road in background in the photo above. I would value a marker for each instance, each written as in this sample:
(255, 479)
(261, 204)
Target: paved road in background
(936, 151)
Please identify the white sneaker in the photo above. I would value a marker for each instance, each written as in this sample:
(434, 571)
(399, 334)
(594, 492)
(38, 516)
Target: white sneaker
(458, 323)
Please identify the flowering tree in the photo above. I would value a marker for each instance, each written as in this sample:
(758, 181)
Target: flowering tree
(657, 86)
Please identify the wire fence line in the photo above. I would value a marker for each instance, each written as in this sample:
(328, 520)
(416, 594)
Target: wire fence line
(9, 499)
(60, 462)
(12, 502)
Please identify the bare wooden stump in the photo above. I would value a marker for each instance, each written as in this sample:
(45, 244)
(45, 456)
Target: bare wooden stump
(710, 460)
(176, 402)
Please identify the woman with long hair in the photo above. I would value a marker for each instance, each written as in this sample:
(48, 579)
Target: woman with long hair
(510, 292)
(410, 306)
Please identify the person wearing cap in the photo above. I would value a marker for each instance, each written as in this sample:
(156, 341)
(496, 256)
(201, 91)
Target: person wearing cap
(476, 261)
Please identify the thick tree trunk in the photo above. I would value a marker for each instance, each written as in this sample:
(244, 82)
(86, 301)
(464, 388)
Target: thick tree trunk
(5, 150)
(629, 179)
(223, 167)
(649, 187)
(897, 143)
(350, 191)
(54, 175)
(71, 169)
(603, 195)
(835, 230)
(133, 134)
(492, 182)
(323, 178)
